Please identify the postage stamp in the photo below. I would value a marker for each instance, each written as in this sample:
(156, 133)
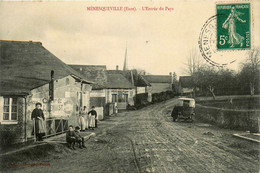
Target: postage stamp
(233, 26)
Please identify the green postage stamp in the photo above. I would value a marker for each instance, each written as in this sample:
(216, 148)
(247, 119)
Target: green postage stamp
(233, 26)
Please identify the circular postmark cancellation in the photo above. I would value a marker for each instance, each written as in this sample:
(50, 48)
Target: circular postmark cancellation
(208, 44)
(225, 33)
(207, 41)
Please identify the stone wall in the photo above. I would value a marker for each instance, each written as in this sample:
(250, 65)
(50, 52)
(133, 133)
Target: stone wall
(13, 132)
(247, 120)
(65, 105)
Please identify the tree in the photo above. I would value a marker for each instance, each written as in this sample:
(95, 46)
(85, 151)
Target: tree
(207, 79)
(194, 62)
(140, 71)
(193, 66)
(249, 75)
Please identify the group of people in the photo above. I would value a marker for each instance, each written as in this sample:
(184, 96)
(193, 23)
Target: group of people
(73, 137)
(88, 120)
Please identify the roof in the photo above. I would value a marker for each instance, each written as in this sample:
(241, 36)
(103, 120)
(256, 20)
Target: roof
(157, 78)
(118, 81)
(95, 73)
(25, 65)
(186, 81)
(138, 79)
(142, 81)
(111, 79)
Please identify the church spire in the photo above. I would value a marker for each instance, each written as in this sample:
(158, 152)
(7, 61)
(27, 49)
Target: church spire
(125, 62)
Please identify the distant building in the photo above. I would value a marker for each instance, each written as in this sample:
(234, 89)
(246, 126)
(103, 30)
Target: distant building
(25, 79)
(98, 95)
(110, 89)
(186, 85)
(160, 83)
(141, 85)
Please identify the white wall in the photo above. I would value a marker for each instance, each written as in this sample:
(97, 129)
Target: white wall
(140, 90)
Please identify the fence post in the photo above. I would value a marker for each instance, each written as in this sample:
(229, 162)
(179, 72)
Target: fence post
(45, 128)
(34, 132)
(53, 120)
(61, 125)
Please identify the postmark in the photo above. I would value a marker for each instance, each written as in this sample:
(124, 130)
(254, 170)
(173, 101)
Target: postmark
(233, 26)
(226, 37)
(208, 44)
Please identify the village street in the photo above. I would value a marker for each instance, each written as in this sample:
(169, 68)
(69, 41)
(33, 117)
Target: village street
(147, 140)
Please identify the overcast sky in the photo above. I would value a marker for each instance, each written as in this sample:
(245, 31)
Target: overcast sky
(157, 42)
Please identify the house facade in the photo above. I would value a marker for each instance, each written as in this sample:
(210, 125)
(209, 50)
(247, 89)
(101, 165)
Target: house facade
(98, 94)
(111, 89)
(61, 90)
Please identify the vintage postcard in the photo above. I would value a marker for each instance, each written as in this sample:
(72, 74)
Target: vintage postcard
(130, 86)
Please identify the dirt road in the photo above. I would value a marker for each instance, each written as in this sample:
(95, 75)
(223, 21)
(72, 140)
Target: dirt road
(148, 141)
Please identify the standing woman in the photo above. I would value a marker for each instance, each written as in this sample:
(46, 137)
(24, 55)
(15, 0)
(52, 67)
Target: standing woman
(82, 120)
(39, 126)
(86, 116)
(93, 115)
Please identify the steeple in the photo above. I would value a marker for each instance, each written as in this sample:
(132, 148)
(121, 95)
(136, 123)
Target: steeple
(125, 62)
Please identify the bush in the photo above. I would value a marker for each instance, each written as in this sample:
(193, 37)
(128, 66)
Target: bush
(159, 97)
(141, 100)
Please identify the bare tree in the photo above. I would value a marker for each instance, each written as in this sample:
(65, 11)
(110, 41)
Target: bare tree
(193, 65)
(252, 67)
(194, 62)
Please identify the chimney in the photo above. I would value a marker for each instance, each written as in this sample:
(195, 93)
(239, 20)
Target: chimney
(52, 75)
(116, 67)
(51, 87)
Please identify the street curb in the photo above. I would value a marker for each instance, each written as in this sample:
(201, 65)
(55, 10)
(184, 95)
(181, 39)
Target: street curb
(246, 138)
(87, 137)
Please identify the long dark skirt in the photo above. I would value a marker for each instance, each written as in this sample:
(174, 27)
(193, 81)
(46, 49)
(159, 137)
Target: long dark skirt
(39, 127)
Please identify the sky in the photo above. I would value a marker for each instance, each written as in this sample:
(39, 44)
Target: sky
(157, 41)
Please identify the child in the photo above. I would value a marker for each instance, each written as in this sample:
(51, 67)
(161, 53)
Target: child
(79, 138)
(71, 138)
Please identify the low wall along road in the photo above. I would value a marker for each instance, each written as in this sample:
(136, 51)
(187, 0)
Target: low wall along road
(229, 118)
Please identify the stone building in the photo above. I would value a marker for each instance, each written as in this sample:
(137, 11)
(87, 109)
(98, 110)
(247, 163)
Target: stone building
(25, 79)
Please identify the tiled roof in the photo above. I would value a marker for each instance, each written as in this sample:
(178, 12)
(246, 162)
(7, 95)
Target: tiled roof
(138, 80)
(118, 81)
(157, 78)
(111, 79)
(25, 65)
(95, 73)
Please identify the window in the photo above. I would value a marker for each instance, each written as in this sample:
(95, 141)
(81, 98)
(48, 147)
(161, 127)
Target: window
(10, 109)
(114, 98)
(122, 98)
(126, 98)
